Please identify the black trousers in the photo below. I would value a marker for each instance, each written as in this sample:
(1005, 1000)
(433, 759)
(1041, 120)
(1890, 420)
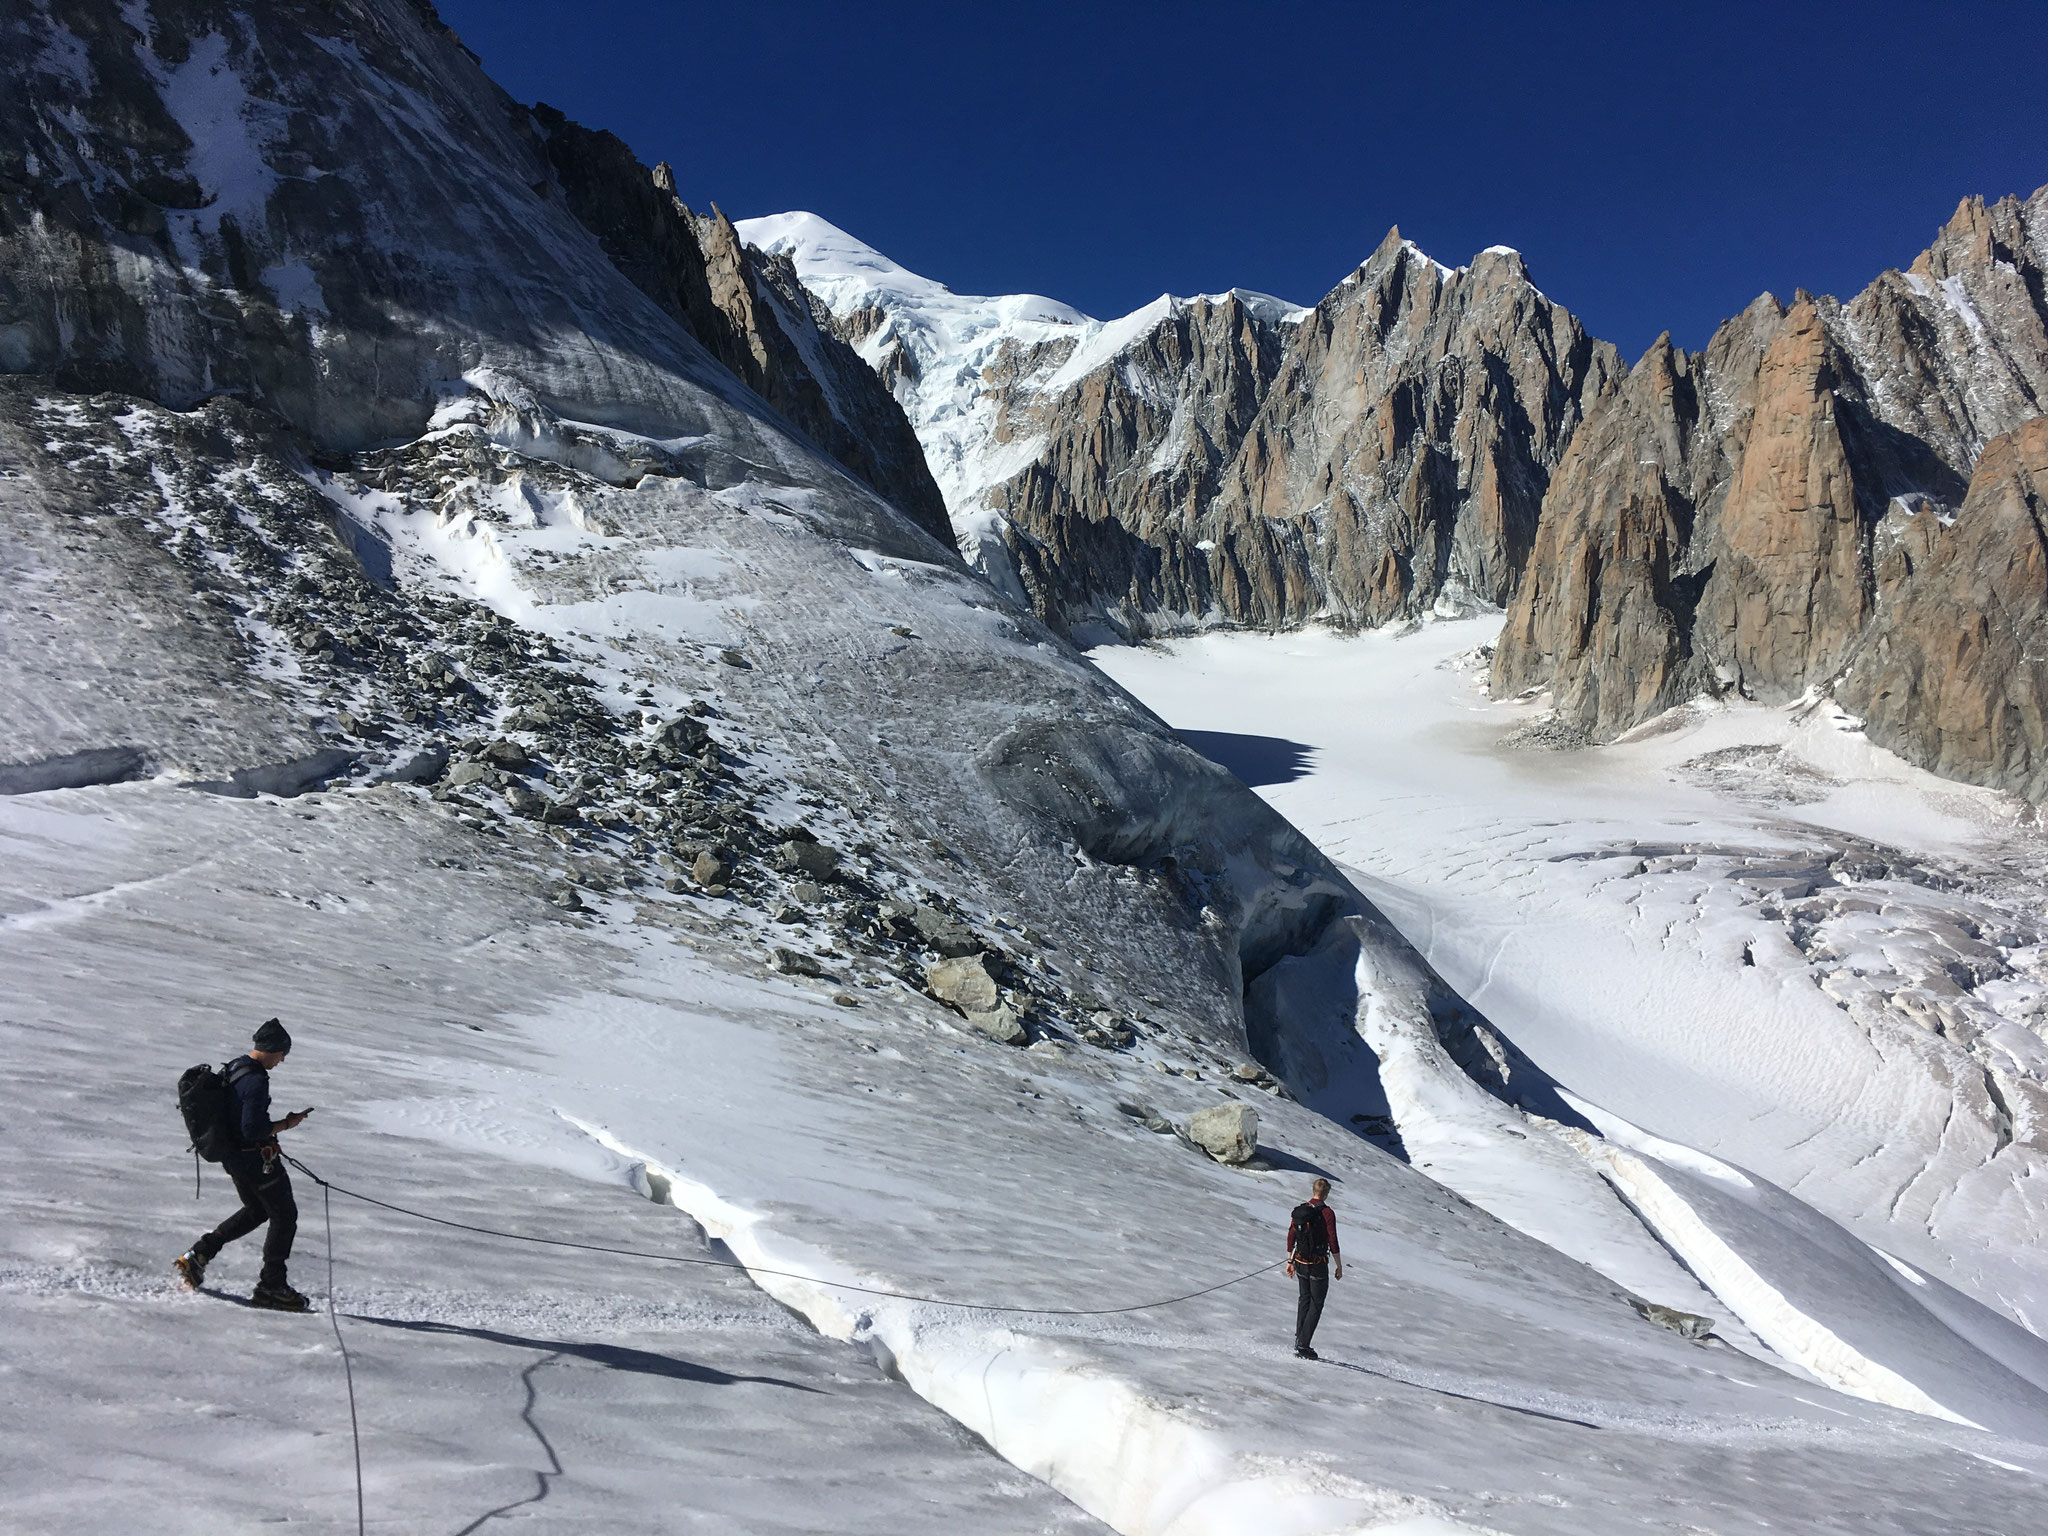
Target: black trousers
(266, 1197)
(1314, 1280)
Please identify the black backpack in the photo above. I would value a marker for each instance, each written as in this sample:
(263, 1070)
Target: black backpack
(1311, 1236)
(204, 1101)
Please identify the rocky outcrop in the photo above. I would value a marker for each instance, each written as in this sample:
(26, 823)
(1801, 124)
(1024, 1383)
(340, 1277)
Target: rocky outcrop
(1954, 672)
(1412, 432)
(1610, 554)
(1105, 522)
(1744, 518)
(1383, 454)
(170, 227)
(747, 308)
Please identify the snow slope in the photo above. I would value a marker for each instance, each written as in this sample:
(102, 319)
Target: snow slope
(1474, 1379)
(1730, 940)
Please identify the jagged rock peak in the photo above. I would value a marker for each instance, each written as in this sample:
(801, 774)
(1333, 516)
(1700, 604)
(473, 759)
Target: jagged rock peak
(1109, 473)
(1741, 508)
(1394, 463)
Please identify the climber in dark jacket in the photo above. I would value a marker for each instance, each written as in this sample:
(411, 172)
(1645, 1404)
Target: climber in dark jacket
(1311, 1250)
(251, 1160)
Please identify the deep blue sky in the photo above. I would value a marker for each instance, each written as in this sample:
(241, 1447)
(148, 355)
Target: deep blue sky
(1658, 164)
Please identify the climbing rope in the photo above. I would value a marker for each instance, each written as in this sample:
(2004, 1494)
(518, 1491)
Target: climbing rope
(348, 1369)
(782, 1274)
(329, 1189)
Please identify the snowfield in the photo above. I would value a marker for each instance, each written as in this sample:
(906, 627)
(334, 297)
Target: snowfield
(1735, 941)
(477, 1060)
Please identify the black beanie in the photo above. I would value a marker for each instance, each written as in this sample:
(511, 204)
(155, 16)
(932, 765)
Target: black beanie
(271, 1036)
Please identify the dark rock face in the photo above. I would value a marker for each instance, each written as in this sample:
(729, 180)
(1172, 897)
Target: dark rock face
(1384, 453)
(747, 309)
(1954, 672)
(169, 225)
(172, 226)
(1103, 522)
(1748, 517)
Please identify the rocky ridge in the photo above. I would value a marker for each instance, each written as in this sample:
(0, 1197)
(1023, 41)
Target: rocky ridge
(748, 310)
(1752, 518)
(1433, 440)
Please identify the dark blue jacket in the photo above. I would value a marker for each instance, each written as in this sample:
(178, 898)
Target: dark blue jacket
(248, 1104)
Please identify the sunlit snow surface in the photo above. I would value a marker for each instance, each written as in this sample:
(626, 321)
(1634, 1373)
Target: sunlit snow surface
(1658, 924)
(477, 1055)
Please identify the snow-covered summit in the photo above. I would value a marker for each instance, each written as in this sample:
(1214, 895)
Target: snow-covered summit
(978, 375)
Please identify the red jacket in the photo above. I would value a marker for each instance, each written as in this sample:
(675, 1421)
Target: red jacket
(1329, 1228)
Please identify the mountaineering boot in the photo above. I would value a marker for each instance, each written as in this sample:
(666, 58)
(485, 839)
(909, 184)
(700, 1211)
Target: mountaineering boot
(278, 1298)
(191, 1268)
(1305, 1353)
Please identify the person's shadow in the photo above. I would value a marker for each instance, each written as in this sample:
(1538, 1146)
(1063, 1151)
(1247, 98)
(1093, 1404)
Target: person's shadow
(616, 1357)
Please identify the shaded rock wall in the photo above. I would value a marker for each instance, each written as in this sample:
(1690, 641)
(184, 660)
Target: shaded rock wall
(1954, 671)
(747, 309)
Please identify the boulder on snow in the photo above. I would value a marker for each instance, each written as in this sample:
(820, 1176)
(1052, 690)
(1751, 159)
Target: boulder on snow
(463, 774)
(946, 935)
(998, 1023)
(806, 858)
(508, 755)
(710, 869)
(685, 733)
(965, 983)
(423, 767)
(1227, 1132)
(792, 962)
(1687, 1325)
